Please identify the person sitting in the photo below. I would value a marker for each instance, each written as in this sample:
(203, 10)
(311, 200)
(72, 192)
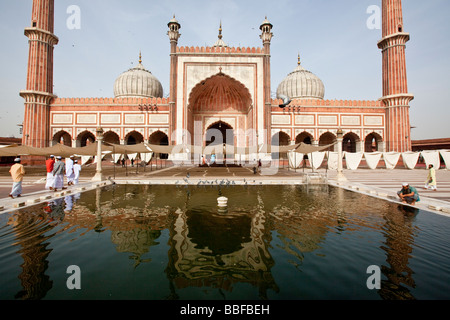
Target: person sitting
(408, 194)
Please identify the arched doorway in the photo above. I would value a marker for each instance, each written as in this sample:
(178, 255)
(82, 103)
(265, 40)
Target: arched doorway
(85, 138)
(161, 139)
(372, 142)
(326, 139)
(133, 137)
(304, 137)
(62, 137)
(280, 139)
(111, 137)
(349, 142)
(214, 99)
(219, 133)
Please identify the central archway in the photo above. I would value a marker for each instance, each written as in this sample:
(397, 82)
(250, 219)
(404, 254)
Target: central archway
(219, 133)
(215, 99)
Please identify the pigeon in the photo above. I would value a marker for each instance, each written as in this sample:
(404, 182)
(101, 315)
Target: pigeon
(285, 99)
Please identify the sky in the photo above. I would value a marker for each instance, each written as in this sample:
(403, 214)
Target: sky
(331, 36)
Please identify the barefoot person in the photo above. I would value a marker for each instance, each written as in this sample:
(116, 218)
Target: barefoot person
(70, 174)
(49, 164)
(408, 194)
(76, 170)
(430, 183)
(59, 170)
(17, 172)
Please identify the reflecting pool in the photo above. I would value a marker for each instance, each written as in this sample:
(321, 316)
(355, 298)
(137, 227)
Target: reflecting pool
(271, 242)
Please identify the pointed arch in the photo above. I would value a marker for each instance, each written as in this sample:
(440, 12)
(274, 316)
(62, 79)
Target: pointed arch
(350, 142)
(134, 137)
(304, 137)
(220, 92)
(111, 137)
(326, 139)
(161, 139)
(85, 138)
(372, 142)
(62, 137)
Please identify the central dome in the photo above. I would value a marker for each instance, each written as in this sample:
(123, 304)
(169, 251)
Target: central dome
(137, 82)
(301, 83)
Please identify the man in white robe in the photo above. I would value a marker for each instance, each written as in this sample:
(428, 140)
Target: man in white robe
(49, 164)
(70, 174)
(76, 170)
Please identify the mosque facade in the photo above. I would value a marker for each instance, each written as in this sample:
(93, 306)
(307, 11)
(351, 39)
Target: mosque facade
(218, 87)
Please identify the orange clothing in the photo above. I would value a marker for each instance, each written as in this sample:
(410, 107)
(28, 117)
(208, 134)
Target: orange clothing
(17, 172)
(49, 164)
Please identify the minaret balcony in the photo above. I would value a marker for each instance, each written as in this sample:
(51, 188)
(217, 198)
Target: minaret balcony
(36, 34)
(392, 40)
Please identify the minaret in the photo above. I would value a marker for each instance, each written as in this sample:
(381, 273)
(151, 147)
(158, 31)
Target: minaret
(395, 85)
(174, 35)
(266, 37)
(39, 88)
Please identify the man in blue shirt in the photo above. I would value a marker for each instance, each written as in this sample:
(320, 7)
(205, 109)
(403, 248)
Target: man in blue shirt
(408, 194)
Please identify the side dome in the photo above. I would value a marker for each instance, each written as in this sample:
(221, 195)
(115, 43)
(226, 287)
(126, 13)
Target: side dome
(301, 83)
(137, 82)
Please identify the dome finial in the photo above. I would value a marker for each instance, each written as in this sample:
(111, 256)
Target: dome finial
(140, 57)
(299, 62)
(219, 42)
(220, 30)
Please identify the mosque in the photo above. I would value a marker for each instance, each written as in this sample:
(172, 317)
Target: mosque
(217, 87)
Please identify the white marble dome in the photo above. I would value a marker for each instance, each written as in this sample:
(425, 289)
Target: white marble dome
(137, 82)
(301, 84)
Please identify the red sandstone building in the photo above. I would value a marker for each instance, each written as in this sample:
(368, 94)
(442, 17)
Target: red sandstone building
(217, 87)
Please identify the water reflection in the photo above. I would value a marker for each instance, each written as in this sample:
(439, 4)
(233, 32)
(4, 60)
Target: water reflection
(399, 239)
(29, 228)
(210, 248)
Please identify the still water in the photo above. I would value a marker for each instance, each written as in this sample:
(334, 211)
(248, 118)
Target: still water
(272, 242)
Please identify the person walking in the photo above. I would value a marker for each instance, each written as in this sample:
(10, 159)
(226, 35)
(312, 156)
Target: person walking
(17, 173)
(76, 170)
(431, 183)
(49, 164)
(70, 174)
(58, 172)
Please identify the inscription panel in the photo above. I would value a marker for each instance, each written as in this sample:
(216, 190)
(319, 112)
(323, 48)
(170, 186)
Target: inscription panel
(62, 118)
(134, 118)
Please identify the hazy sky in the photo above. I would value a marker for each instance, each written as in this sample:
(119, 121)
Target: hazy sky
(331, 36)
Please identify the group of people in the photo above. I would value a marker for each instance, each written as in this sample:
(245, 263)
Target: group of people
(57, 169)
(210, 161)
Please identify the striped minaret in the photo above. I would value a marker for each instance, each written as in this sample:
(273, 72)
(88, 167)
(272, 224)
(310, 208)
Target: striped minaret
(174, 35)
(266, 37)
(395, 84)
(39, 88)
